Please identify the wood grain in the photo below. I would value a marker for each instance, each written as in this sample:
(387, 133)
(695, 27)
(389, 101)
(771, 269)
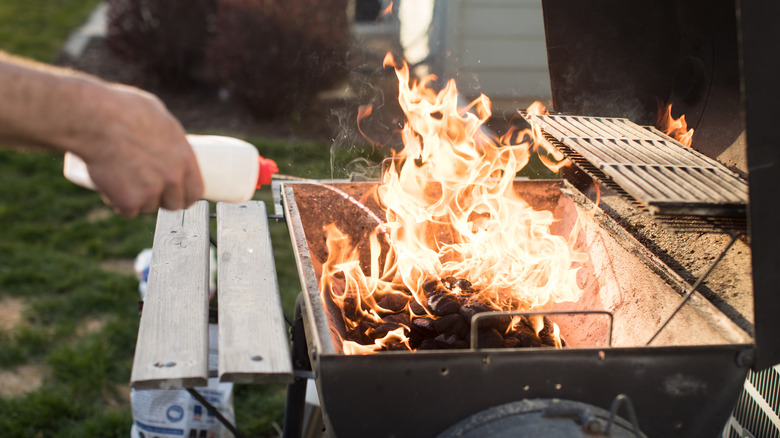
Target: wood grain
(172, 346)
(253, 341)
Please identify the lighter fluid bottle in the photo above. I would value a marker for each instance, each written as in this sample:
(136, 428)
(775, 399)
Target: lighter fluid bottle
(231, 168)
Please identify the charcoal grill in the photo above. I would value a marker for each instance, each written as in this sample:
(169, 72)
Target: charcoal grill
(421, 393)
(607, 73)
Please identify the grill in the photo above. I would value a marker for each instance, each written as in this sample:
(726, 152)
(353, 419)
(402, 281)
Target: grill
(691, 362)
(680, 347)
(658, 172)
(676, 185)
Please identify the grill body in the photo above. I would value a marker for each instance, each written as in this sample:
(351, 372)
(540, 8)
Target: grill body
(423, 393)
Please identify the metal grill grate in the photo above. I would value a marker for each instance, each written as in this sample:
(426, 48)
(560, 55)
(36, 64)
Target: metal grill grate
(658, 173)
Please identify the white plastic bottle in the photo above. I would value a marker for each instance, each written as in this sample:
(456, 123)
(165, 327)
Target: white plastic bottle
(231, 168)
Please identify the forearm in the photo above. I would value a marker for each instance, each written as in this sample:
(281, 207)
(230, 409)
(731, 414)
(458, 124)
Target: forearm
(47, 106)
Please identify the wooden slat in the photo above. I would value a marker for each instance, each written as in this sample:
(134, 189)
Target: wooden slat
(172, 347)
(253, 342)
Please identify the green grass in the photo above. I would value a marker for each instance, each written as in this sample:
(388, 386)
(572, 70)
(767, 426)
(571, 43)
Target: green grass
(37, 28)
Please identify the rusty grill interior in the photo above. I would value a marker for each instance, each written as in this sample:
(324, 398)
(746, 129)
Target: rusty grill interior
(618, 278)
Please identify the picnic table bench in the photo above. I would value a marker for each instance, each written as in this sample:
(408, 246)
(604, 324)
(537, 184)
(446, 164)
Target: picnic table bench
(172, 347)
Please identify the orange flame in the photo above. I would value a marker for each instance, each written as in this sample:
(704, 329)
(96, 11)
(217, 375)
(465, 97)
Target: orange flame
(675, 128)
(363, 112)
(452, 217)
(387, 11)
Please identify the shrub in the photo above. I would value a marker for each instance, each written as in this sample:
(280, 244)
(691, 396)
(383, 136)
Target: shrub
(276, 54)
(166, 39)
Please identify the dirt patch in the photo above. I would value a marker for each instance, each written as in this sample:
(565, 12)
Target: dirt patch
(21, 380)
(119, 266)
(11, 313)
(99, 214)
(90, 326)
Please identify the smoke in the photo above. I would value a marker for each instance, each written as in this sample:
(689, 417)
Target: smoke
(365, 132)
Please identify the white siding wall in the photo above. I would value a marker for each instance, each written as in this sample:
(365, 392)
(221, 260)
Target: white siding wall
(494, 47)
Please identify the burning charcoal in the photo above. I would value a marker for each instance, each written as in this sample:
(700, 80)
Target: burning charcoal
(449, 282)
(500, 323)
(511, 342)
(490, 338)
(389, 323)
(446, 342)
(416, 307)
(470, 309)
(452, 324)
(395, 346)
(424, 325)
(463, 284)
(428, 344)
(382, 329)
(394, 302)
(430, 286)
(526, 336)
(358, 334)
(546, 334)
(351, 308)
(422, 329)
(399, 319)
(443, 304)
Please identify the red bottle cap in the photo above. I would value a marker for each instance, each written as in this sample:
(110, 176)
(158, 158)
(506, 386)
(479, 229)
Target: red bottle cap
(267, 169)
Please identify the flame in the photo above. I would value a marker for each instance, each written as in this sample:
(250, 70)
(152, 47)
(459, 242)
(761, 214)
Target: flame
(363, 112)
(454, 227)
(387, 11)
(675, 128)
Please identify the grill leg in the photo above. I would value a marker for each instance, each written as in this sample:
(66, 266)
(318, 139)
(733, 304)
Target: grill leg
(296, 391)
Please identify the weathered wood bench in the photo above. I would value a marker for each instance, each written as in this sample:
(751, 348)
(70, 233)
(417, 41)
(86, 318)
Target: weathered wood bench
(172, 347)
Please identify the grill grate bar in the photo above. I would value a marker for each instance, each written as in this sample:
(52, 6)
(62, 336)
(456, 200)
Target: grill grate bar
(655, 171)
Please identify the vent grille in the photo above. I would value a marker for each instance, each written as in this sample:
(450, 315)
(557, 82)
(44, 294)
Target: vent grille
(756, 412)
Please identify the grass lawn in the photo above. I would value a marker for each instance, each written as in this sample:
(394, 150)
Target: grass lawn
(37, 28)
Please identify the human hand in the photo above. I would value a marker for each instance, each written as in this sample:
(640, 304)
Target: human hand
(137, 154)
(135, 150)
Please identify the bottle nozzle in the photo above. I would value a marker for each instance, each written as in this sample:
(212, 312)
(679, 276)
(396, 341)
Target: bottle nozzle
(267, 169)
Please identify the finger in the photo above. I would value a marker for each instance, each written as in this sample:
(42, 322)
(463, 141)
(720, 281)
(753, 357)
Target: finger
(193, 186)
(173, 197)
(126, 212)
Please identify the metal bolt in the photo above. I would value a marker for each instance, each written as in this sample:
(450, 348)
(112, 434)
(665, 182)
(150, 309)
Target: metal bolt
(257, 358)
(745, 358)
(593, 426)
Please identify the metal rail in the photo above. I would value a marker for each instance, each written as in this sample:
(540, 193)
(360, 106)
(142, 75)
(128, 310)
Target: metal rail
(487, 315)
